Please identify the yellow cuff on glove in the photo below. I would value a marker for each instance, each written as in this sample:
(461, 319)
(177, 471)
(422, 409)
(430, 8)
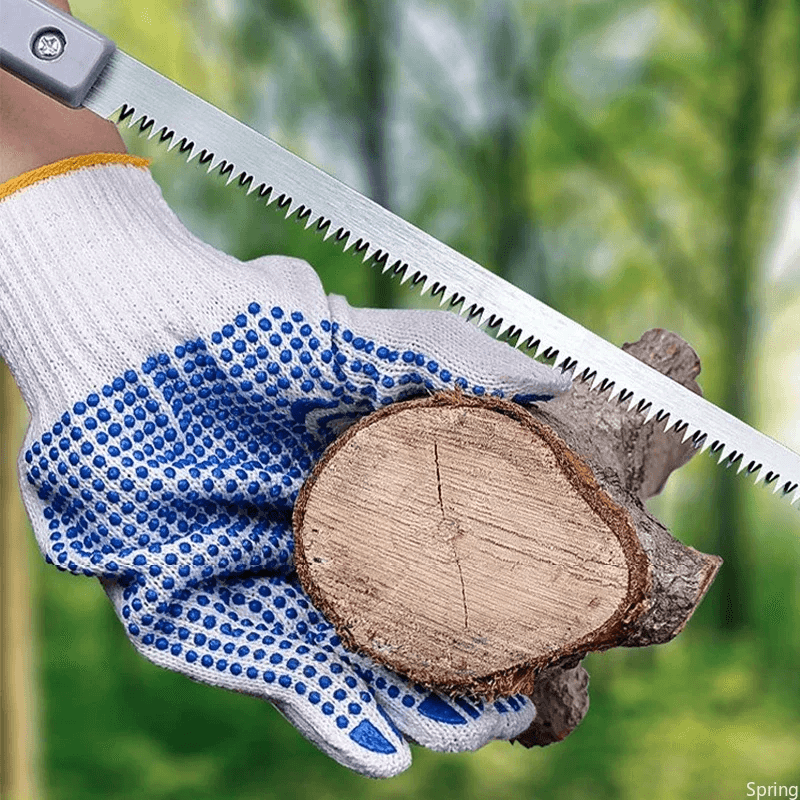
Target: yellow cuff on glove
(68, 165)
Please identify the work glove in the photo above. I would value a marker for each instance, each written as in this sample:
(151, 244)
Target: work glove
(179, 399)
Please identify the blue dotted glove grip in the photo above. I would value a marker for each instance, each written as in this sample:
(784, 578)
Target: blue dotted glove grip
(174, 481)
(175, 484)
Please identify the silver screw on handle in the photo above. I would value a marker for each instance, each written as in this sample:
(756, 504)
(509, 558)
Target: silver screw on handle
(49, 44)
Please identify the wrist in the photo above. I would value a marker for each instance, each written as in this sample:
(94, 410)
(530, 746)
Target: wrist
(79, 245)
(36, 130)
(97, 273)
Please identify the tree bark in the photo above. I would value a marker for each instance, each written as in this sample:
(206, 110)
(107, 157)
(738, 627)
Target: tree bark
(18, 718)
(481, 548)
(738, 308)
(638, 459)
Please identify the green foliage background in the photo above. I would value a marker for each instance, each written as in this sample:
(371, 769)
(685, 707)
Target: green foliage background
(629, 162)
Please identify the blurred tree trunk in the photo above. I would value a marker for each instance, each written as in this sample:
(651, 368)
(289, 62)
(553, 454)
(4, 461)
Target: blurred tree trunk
(373, 30)
(503, 159)
(737, 311)
(18, 739)
(515, 245)
(353, 84)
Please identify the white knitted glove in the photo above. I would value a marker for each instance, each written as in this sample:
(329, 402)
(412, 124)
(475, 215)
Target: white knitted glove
(179, 398)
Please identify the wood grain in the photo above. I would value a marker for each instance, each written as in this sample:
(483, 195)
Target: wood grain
(459, 541)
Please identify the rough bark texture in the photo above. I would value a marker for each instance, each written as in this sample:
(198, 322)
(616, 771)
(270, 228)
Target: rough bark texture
(611, 455)
(635, 460)
(632, 462)
(561, 699)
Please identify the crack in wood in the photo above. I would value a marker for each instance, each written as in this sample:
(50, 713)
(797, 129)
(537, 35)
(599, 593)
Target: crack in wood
(452, 539)
(463, 589)
(438, 476)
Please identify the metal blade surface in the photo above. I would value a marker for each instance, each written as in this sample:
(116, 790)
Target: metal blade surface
(164, 109)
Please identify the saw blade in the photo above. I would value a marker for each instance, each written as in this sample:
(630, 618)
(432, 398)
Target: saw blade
(129, 91)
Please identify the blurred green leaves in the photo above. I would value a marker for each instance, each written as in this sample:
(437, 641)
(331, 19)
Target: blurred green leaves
(625, 161)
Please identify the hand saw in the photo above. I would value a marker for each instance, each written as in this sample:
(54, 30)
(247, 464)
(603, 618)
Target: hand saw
(78, 66)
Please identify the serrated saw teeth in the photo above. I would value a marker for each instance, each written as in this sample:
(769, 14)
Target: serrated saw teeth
(699, 440)
(127, 88)
(398, 270)
(570, 365)
(513, 334)
(475, 313)
(682, 429)
(455, 301)
(624, 396)
(735, 459)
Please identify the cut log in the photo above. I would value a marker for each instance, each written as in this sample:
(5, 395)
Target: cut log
(459, 541)
(473, 545)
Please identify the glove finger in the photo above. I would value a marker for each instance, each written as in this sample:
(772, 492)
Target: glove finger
(373, 746)
(262, 637)
(435, 350)
(439, 722)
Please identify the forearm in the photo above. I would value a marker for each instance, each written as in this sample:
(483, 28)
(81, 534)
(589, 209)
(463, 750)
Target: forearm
(36, 130)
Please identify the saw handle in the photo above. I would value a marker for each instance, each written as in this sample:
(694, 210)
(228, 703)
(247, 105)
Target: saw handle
(51, 50)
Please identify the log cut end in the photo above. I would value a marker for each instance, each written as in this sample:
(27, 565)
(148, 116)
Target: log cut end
(460, 542)
(481, 548)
